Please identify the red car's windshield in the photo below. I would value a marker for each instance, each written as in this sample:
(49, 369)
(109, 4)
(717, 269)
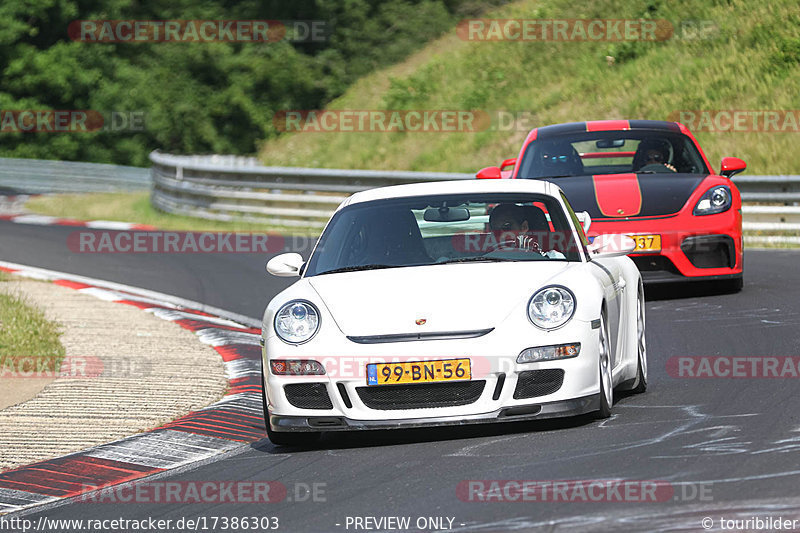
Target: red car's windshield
(611, 152)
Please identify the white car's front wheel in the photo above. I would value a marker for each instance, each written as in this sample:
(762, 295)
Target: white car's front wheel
(606, 380)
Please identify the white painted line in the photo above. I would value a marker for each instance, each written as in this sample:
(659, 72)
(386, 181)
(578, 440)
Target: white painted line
(163, 449)
(109, 224)
(241, 368)
(30, 271)
(39, 220)
(127, 296)
(173, 315)
(246, 401)
(102, 294)
(12, 500)
(221, 337)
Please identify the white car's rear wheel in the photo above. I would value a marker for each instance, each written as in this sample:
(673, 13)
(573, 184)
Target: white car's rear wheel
(606, 380)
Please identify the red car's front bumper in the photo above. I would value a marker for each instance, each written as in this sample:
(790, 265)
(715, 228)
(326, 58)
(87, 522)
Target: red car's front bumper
(692, 247)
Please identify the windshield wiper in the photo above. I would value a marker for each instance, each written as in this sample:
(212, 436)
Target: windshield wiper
(356, 268)
(474, 260)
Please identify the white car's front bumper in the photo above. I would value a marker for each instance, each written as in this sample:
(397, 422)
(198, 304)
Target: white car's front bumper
(493, 361)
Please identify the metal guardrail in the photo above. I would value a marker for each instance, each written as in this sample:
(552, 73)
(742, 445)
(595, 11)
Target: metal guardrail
(241, 188)
(773, 222)
(33, 176)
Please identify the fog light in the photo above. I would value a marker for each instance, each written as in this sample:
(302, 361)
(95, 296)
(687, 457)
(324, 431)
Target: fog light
(549, 353)
(297, 367)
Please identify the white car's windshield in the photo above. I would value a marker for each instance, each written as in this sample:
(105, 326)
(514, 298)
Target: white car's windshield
(415, 231)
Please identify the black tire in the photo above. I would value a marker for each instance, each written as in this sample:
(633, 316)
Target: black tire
(281, 438)
(641, 381)
(641, 347)
(732, 286)
(606, 391)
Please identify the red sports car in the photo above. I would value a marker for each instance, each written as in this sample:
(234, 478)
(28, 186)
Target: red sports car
(648, 179)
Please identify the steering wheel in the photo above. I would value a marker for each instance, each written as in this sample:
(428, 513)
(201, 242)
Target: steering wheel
(656, 167)
(507, 244)
(529, 244)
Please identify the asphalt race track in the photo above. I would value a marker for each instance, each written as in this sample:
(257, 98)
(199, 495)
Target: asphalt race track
(728, 448)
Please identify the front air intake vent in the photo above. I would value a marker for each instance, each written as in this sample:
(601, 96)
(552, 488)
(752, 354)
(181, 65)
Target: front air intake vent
(308, 395)
(533, 383)
(422, 396)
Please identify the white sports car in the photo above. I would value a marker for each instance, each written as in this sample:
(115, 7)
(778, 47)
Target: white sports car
(451, 303)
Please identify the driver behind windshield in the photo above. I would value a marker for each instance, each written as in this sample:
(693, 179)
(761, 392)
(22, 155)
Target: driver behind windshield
(652, 155)
(513, 225)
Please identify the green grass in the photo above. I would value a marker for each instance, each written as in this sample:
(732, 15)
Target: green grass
(752, 62)
(26, 333)
(135, 207)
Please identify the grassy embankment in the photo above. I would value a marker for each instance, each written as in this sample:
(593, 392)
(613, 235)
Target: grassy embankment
(750, 62)
(135, 207)
(25, 334)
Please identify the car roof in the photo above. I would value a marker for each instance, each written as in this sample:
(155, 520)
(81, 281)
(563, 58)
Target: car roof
(454, 187)
(553, 130)
(567, 128)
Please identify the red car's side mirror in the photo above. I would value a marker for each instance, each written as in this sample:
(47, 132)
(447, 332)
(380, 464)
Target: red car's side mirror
(508, 163)
(731, 166)
(489, 173)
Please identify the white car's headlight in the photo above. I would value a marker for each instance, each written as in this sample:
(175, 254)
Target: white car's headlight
(715, 200)
(551, 307)
(297, 321)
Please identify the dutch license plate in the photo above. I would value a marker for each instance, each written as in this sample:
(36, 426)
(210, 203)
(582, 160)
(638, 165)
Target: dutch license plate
(418, 372)
(647, 243)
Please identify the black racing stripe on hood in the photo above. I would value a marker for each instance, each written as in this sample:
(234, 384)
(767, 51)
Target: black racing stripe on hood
(662, 194)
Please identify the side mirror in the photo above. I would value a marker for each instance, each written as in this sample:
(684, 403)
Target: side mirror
(285, 265)
(489, 173)
(508, 163)
(585, 220)
(611, 245)
(731, 166)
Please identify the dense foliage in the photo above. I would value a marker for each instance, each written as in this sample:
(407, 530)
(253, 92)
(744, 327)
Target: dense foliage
(194, 97)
